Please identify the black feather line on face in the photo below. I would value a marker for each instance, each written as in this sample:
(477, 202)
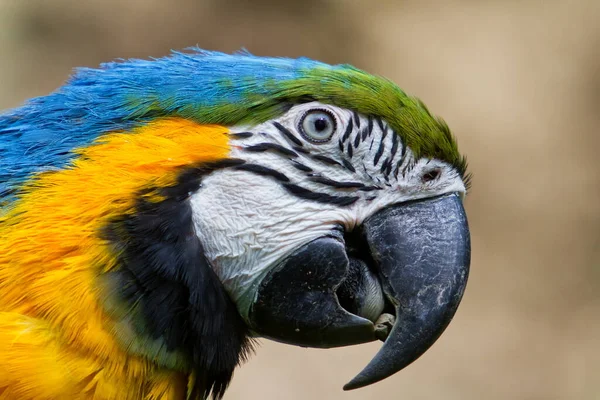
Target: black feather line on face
(356, 119)
(304, 193)
(365, 133)
(348, 165)
(384, 134)
(289, 135)
(400, 162)
(384, 167)
(349, 129)
(262, 147)
(324, 198)
(369, 188)
(380, 124)
(337, 184)
(394, 145)
(379, 152)
(165, 279)
(241, 135)
(264, 171)
(325, 159)
(301, 150)
(388, 170)
(298, 165)
(357, 139)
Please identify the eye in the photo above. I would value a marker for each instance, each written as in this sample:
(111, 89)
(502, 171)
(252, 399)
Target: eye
(317, 126)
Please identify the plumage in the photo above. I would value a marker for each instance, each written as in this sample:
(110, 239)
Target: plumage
(52, 249)
(143, 203)
(205, 87)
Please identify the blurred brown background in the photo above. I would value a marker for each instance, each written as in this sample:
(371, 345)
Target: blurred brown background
(517, 81)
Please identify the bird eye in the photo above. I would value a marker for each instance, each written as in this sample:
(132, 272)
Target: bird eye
(317, 126)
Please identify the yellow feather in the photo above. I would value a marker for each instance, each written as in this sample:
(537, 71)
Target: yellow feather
(56, 339)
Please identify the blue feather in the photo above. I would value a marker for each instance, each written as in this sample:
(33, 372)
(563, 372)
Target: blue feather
(41, 135)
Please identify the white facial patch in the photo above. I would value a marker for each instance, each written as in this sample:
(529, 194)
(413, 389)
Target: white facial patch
(248, 223)
(292, 191)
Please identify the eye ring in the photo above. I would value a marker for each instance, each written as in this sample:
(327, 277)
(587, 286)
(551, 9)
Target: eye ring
(317, 125)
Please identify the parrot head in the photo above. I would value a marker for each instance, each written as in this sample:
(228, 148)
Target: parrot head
(314, 205)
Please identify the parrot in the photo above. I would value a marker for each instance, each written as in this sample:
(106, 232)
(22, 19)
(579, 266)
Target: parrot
(158, 216)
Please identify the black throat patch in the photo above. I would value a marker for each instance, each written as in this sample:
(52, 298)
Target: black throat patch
(169, 289)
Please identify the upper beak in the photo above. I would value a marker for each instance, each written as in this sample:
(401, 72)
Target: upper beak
(420, 254)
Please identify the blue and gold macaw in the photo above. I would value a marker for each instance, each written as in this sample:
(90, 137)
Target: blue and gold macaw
(157, 215)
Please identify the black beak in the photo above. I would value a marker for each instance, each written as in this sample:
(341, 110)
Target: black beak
(420, 252)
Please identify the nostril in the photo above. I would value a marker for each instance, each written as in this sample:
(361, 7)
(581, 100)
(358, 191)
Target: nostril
(432, 175)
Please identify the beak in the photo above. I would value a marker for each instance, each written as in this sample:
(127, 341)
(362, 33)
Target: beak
(420, 254)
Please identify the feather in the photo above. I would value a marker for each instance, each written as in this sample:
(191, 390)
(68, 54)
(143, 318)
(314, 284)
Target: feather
(205, 87)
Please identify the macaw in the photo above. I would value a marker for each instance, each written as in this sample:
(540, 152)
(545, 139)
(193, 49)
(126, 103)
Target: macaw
(158, 215)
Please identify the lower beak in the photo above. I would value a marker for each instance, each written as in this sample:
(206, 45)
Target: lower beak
(420, 253)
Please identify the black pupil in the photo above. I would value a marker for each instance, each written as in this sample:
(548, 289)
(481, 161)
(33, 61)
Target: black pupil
(321, 124)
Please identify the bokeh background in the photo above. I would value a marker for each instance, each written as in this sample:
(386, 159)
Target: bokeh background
(518, 81)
